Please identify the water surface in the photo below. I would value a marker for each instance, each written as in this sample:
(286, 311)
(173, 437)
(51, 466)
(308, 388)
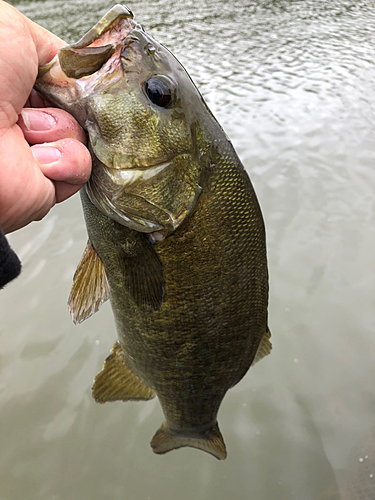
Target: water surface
(292, 83)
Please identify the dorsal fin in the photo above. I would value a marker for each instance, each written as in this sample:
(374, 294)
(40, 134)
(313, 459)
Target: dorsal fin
(117, 381)
(90, 286)
(264, 347)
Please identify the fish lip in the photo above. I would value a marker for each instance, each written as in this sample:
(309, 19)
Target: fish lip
(141, 166)
(131, 175)
(109, 33)
(131, 162)
(105, 24)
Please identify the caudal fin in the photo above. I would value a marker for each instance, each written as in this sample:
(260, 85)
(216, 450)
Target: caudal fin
(209, 440)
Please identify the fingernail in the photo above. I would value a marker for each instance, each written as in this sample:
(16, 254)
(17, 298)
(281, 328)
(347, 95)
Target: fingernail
(46, 154)
(37, 121)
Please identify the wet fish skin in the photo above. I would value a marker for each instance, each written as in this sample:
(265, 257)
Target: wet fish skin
(183, 247)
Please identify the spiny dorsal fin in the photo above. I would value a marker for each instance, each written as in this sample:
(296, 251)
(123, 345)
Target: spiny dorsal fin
(117, 381)
(90, 286)
(264, 347)
(209, 440)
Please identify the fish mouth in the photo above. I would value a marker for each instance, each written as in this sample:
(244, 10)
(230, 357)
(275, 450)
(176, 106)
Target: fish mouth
(89, 65)
(116, 24)
(131, 175)
(98, 45)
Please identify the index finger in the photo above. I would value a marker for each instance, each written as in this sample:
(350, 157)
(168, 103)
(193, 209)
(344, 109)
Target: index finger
(49, 125)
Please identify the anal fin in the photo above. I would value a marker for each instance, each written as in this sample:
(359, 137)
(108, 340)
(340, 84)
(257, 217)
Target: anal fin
(264, 348)
(90, 286)
(117, 381)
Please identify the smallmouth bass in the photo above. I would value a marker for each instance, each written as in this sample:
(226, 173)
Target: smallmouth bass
(176, 235)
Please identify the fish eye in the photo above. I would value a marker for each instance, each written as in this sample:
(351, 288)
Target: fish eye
(158, 92)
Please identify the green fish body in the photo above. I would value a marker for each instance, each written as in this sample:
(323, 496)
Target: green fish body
(176, 235)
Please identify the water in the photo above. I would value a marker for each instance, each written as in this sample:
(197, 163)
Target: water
(292, 83)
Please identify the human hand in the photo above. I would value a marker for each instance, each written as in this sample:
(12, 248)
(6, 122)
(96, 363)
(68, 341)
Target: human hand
(43, 159)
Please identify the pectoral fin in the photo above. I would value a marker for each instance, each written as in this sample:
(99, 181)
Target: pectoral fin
(264, 347)
(117, 381)
(143, 273)
(90, 286)
(132, 263)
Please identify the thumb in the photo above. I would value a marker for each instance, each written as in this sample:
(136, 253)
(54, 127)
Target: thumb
(24, 47)
(46, 43)
(66, 162)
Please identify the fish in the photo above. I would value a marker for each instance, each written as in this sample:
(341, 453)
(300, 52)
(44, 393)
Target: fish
(176, 237)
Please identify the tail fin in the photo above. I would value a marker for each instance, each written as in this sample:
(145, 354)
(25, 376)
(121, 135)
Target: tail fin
(209, 440)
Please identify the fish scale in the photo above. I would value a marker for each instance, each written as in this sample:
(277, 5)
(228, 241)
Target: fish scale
(180, 250)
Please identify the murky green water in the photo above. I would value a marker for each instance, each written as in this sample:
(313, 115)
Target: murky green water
(292, 83)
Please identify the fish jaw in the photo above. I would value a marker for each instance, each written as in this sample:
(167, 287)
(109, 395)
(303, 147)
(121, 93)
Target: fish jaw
(78, 69)
(131, 198)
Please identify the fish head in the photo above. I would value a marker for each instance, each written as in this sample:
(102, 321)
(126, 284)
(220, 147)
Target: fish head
(143, 115)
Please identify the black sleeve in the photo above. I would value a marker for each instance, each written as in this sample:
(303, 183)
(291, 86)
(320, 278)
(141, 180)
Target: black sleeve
(10, 265)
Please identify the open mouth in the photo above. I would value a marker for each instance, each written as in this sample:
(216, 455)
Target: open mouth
(99, 45)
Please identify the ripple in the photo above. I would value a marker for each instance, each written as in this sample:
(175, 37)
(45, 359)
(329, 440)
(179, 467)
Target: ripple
(292, 84)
